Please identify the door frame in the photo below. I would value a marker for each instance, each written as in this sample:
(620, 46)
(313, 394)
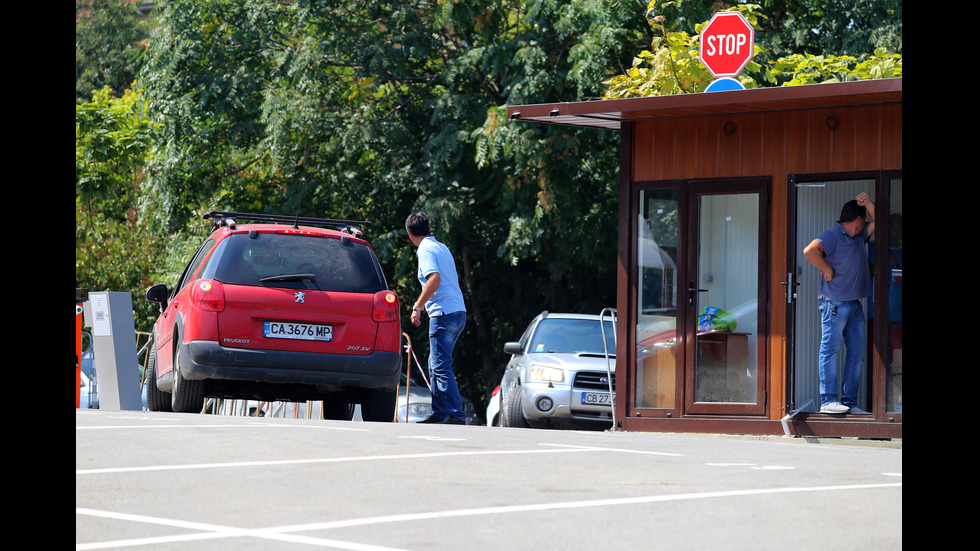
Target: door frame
(688, 190)
(875, 361)
(762, 187)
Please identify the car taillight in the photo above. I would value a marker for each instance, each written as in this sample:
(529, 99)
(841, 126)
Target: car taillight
(209, 295)
(385, 306)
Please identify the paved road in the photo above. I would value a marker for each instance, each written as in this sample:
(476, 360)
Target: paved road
(176, 481)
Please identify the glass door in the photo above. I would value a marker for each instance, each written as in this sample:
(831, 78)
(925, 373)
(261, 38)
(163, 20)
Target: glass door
(657, 345)
(725, 298)
(893, 311)
(701, 298)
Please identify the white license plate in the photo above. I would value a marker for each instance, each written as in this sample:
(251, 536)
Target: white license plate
(596, 399)
(301, 331)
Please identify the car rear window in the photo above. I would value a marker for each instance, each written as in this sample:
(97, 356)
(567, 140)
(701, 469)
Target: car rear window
(572, 336)
(298, 262)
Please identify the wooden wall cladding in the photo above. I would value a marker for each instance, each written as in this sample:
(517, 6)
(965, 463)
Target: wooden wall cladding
(775, 143)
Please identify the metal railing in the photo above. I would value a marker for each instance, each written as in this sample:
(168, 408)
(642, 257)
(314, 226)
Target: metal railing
(609, 373)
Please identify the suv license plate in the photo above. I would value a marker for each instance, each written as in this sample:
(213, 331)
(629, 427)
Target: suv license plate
(595, 399)
(302, 331)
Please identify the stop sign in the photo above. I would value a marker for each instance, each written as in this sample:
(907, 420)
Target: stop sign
(726, 44)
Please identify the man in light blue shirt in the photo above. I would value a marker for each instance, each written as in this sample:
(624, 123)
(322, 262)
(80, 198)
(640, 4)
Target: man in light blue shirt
(442, 301)
(841, 254)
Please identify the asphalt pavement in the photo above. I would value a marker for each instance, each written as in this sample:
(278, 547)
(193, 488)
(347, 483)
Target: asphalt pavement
(191, 481)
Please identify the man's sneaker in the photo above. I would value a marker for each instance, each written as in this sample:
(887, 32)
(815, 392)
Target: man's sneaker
(834, 407)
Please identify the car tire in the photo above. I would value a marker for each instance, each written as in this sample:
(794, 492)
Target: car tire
(379, 406)
(511, 414)
(337, 410)
(186, 396)
(156, 399)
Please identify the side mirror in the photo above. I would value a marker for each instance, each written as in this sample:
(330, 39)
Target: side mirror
(158, 293)
(513, 348)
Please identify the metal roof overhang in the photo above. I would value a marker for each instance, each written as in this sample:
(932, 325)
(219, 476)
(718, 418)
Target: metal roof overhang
(610, 114)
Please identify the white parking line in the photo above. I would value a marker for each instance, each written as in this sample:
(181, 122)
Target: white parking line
(620, 450)
(570, 505)
(239, 464)
(244, 426)
(210, 531)
(286, 533)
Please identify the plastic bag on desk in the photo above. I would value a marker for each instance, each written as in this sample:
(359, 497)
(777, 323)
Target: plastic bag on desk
(716, 319)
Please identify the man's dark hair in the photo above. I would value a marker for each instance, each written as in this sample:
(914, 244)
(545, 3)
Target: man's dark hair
(851, 212)
(417, 224)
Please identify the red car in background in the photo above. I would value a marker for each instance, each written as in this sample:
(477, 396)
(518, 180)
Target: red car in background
(284, 308)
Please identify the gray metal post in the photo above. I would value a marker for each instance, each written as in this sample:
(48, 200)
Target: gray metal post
(110, 315)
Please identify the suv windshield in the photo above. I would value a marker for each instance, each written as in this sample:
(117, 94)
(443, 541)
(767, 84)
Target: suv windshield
(298, 262)
(573, 336)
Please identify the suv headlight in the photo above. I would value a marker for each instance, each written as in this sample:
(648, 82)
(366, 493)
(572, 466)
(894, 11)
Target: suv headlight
(545, 373)
(416, 411)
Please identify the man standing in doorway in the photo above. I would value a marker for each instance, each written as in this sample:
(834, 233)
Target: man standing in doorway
(841, 254)
(442, 301)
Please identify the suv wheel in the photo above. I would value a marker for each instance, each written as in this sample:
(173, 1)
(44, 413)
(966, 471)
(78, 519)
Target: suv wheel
(156, 399)
(187, 396)
(379, 405)
(511, 414)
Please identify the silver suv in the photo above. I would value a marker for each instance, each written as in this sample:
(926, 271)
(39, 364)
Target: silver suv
(558, 375)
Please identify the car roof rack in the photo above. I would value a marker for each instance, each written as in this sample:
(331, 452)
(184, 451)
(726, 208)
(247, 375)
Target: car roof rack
(223, 218)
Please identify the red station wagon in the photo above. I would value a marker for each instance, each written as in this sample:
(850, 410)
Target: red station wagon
(289, 309)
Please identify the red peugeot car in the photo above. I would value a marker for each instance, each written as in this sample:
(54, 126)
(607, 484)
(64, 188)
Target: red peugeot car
(284, 308)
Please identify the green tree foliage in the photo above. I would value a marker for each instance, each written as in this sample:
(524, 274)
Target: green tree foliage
(788, 27)
(672, 65)
(814, 69)
(118, 255)
(112, 137)
(110, 36)
(842, 27)
(114, 248)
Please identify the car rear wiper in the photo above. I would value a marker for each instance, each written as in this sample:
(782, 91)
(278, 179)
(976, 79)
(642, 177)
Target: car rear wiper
(289, 277)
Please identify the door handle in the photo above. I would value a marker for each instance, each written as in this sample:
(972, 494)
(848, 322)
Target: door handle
(173, 306)
(790, 287)
(691, 290)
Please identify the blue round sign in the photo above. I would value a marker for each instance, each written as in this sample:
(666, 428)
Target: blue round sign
(724, 84)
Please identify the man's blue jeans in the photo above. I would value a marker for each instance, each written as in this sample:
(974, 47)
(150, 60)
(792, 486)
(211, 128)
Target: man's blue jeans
(443, 332)
(841, 322)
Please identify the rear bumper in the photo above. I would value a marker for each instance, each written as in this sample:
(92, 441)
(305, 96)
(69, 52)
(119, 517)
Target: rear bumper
(210, 360)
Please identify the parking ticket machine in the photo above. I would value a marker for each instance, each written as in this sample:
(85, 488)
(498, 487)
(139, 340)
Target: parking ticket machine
(110, 315)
